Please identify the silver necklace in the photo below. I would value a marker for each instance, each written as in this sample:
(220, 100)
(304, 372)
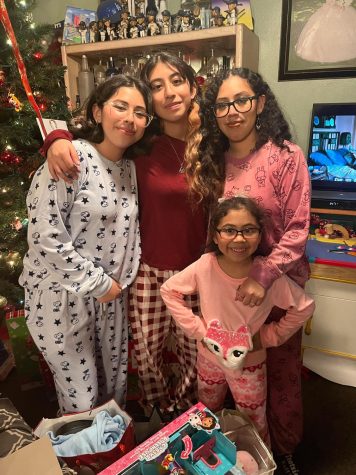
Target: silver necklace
(181, 162)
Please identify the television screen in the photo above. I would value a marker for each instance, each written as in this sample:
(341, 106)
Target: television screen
(332, 147)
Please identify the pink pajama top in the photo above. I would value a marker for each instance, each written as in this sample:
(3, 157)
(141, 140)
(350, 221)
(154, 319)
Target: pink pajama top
(217, 292)
(279, 181)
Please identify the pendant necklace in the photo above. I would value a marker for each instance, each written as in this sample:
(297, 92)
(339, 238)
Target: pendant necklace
(180, 161)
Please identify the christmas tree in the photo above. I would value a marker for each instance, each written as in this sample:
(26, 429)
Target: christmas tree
(20, 137)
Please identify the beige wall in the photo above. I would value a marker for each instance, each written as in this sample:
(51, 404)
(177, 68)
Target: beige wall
(52, 11)
(295, 97)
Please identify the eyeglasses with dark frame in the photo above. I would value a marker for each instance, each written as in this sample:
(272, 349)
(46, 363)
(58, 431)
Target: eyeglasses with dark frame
(141, 117)
(231, 233)
(241, 105)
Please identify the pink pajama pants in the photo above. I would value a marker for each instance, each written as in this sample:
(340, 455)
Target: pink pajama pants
(249, 390)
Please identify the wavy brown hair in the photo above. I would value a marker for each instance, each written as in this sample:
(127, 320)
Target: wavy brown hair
(206, 170)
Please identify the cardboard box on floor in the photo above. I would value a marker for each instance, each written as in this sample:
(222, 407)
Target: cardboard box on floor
(34, 459)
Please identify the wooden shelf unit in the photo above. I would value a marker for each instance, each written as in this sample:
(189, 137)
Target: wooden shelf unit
(237, 41)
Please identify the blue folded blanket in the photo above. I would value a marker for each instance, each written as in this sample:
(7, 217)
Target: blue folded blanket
(103, 435)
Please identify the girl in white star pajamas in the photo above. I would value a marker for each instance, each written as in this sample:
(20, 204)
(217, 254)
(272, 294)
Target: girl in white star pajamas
(84, 251)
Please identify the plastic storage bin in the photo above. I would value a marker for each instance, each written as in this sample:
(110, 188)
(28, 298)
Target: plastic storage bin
(240, 430)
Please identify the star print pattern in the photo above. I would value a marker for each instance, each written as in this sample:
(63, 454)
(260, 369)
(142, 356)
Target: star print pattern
(70, 261)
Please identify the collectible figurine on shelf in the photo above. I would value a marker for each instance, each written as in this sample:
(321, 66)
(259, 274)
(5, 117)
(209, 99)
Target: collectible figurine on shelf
(186, 24)
(220, 20)
(93, 32)
(152, 26)
(133, 30)
(231, 12)
(196, 21)
(107, 28)
(124, 25)
(101, 30)
(141, 25)
(166, 25)
(113, 31)
(177, 21)
(215, 13)
(83, 31)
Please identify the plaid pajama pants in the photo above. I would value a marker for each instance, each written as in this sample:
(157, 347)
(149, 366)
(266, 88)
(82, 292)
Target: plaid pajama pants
(152, 326)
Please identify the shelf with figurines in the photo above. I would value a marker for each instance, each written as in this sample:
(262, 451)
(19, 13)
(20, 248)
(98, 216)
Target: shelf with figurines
(236, 41)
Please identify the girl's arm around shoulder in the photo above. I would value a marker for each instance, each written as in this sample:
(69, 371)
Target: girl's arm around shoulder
(173, 292)
(287, 295)
(63, 161)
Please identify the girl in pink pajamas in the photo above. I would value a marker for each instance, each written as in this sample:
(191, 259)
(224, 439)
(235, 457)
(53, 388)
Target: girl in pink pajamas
(226, 355)
(247, 149)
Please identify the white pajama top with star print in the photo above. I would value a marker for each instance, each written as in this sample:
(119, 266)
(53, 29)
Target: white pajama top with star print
(82, 234)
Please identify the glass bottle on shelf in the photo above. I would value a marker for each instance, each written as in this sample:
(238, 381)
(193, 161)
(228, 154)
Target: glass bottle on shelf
(202, 74)
(212, 65)
(129, 68)
(99, 73)
(112, 69)
(225, 62)
(85, 80)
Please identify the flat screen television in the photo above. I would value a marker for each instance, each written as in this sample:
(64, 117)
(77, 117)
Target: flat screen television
(332, 151)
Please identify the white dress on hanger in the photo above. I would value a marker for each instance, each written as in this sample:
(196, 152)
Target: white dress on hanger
(329, 36)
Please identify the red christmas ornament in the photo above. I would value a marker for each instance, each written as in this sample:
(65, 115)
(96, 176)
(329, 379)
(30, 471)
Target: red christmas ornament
(42, 106)
(38, 55)
(10, 158)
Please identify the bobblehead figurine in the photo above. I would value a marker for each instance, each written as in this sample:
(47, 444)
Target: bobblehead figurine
(177, 21)
(124, 25)
(215, 13)
(186, 21)
(152, 27)
(196, 21)
(83, 31)
(141, 25)
(107, 28)
(101, 30)
(93, 32)
(133, 30)
(166, 25)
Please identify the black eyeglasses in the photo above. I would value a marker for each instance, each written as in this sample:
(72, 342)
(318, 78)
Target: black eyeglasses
(246, 233)
(241, 104)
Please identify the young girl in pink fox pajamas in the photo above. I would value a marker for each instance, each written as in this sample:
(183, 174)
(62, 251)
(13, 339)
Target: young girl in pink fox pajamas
(233, 337)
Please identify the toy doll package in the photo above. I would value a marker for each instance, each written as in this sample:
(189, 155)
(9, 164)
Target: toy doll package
(191, 444)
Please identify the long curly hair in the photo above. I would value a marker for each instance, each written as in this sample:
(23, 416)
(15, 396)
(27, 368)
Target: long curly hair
(90, 130)
(205, 170)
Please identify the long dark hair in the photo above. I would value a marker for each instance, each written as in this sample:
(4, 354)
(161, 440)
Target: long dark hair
(92, 131)
(187, 73)
(221, 209)
(206, 175)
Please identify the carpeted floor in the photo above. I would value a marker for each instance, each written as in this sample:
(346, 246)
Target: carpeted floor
(328, 448)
